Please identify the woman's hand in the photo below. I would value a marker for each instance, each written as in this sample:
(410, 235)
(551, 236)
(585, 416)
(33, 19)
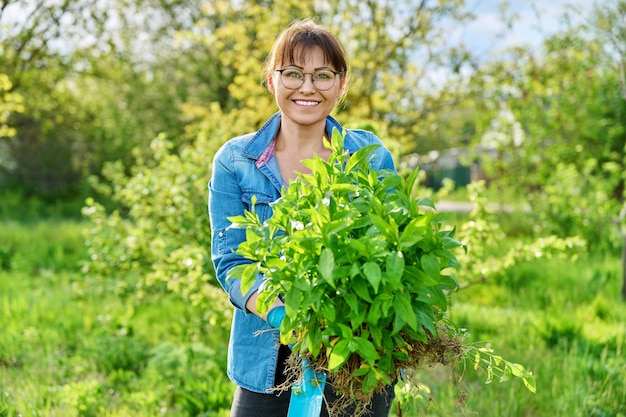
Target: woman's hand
(251, 306)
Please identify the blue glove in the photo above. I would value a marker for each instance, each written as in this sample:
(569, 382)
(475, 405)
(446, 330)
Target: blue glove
(275, 316)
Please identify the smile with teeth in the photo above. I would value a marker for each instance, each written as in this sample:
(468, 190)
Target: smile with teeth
(306, 103)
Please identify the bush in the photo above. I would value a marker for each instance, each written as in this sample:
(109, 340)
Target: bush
(160, 231)
(195, 375)
(363, 268)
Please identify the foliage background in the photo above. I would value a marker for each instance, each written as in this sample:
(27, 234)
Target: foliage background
(116, 108)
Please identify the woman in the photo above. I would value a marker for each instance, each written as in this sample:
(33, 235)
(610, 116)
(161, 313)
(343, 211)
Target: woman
(307, 72)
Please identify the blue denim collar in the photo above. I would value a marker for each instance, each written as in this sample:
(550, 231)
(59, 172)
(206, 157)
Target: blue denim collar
(262, 138)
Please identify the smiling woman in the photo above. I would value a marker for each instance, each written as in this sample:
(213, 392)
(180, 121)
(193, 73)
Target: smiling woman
(307, 72)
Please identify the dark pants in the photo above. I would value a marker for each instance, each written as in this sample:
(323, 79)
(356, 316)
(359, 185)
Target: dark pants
(251, 404)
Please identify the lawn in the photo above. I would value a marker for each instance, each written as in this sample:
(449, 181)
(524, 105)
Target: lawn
(71, 346)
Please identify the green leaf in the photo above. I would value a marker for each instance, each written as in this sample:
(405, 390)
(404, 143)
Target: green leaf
(442, 217)
(328, 310)
(309, 300)
(361, 289)
(433, 296)
(386, 365)
(360, 247)
(418, 277)
(369, 382)
(384, 227)
(401, 355)
(363, 369)
(410, 181)
(447, 255)
(390, 182)
(449, 243)
(302, 284)
(398, 324)
(249, 274)
(427, 321)
(339, 188)
(345, 331)
(314, 339)
(425, 201)
(449, 283)
(395, 268)
(353, 302)
(339, 355)
(238, 222)
(413, 232)
(377, 335)
(355, 270)
(337, 225)
(491, 367)
(336, 143)
(326, 266)
(266, 299)
(404, 309)
(375, 312)
(319, 173)
(366, 349)
(528, 379)
(276, 263)
(476, 360)
(360, 158)
(529, 383)
(292, 302)
(373, 274)
(431, 266)
(386, 302)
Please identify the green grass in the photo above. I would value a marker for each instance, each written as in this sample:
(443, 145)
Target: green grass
(564, 321)
(71, 346)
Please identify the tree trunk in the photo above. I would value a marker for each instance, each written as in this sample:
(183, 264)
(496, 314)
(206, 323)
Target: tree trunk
(624, 267)
(622, 229)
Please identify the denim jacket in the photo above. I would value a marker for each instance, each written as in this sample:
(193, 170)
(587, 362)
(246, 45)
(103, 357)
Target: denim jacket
(240, 172)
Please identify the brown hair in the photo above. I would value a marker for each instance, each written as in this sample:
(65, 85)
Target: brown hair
(300, 37)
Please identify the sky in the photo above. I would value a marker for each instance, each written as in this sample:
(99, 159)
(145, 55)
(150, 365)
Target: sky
(537, 19)
(482, 36)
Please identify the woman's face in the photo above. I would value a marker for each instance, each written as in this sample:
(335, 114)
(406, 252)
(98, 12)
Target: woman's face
(306, 105)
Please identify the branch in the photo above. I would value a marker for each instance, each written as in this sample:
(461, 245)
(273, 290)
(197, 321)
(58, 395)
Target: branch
(620, 220)
(468, 284)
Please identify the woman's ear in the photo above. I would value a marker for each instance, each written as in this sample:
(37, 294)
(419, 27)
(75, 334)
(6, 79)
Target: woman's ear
(342, 85)
(270, 85)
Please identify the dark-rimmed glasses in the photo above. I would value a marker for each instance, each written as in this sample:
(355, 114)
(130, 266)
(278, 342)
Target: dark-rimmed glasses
(293, 78)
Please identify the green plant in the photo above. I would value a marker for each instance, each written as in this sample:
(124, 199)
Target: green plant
(51, 325)
(119, 352)
(6, 409)
(364, 270)
(161, 230)
(195, 377)
(83, 398)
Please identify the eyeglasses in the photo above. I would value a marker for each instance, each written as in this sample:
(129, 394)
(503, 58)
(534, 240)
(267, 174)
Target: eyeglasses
(323, 79)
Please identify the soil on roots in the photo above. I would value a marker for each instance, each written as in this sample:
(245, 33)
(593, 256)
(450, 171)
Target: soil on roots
(444, 350)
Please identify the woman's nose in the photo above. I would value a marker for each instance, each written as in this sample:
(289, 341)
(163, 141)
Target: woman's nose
(308, 84)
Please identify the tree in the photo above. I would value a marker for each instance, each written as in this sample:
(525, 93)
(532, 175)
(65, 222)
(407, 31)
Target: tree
(395, 48)
(25, 40)
(117, 74)
(612, 29)
(98, 82)
(559, 118)
(231, 43)
(9, 103)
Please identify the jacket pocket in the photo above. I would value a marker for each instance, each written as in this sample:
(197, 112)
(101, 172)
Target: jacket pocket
(262, 204)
